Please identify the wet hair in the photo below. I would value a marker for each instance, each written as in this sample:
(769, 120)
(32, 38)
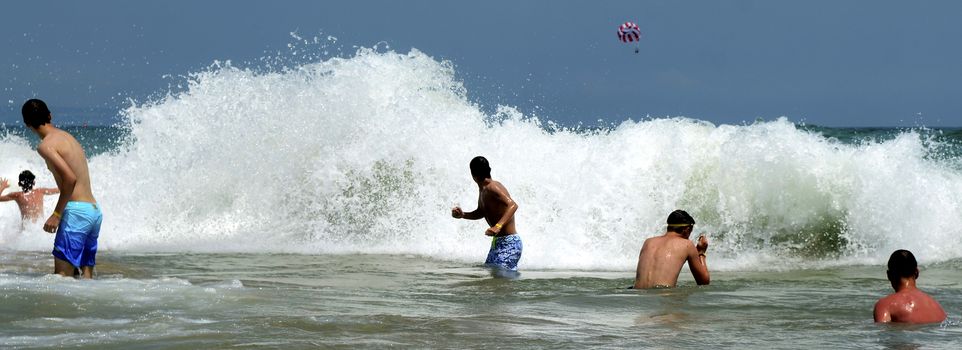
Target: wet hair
(26, 180)
(679, 217)
(480, 168)
(35, 113)
(902, 264)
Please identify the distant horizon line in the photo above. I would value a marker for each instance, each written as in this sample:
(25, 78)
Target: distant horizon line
(106, 116)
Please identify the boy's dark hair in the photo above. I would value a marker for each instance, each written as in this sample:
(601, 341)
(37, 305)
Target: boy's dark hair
(35, 113)
(480, 168)
(26, 180)
(678, 220)
(902, 264)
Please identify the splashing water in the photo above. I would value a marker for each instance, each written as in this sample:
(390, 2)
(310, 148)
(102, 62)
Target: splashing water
(367, 154)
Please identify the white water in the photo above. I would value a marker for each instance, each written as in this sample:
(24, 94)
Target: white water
(368, 154)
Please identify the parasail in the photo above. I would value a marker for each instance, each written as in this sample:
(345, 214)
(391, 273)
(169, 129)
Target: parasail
(629, 32)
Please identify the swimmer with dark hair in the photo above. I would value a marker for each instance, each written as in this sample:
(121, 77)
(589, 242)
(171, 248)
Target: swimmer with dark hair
(908, 304)
(662, 257)
(29, 199)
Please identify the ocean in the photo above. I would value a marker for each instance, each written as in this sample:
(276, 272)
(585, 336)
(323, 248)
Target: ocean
(309, 207)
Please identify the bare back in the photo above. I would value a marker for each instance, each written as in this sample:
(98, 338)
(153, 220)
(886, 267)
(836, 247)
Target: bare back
(909, 305)
(661, 259)
(31, 204)
(72, 154)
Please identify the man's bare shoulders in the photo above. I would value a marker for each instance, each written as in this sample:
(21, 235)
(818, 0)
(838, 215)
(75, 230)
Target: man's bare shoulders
(17, 196)
(58, 139)
(667, 245)
(494, 189)
(63, 144)
(494, 185)
(913, 306)
(672, 240)
(888, 301)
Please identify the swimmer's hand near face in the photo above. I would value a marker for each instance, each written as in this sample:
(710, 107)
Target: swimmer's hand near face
(457, 213)
(702, 245)
(3, 184)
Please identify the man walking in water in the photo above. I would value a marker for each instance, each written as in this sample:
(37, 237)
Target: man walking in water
(76, 219)
(497, 208)
(30, 200)
(662, 257)
(908, 304)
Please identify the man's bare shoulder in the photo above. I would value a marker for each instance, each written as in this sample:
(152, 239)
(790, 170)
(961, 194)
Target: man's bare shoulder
(17, 196)
(655, 240)
(50, 142)
(893, 301)
(649, 241)
(58, 141)
(56, 137)
(678, 241)
(495, 185)
(667, 241)
(917, 296)
(883, 310)
(886, 301)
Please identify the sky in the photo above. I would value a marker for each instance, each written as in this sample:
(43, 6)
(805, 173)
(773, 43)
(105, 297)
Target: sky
(833, 63)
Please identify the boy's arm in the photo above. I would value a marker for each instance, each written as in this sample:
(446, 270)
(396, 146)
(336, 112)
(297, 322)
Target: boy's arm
(882, 313)
(697, 263)
(473, 215)
(9, 197)
(49, 191)
(68, 180)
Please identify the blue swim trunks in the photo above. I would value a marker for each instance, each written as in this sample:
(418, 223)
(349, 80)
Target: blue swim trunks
(505, 252)
(76, 240)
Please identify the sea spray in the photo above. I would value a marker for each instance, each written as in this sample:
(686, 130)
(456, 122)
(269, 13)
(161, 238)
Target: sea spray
(367, 154)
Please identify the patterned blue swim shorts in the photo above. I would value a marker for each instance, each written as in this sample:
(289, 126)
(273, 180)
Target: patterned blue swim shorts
(505, 252)
(76, 239)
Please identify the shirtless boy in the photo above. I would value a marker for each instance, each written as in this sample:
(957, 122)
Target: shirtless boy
(497, 208)
(76, 219)
(30, 200)
(662, 257)
(908, 304)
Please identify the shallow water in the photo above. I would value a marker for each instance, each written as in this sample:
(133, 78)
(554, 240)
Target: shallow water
(190, 301)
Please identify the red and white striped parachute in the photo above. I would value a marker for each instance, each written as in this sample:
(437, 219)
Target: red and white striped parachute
(629, 32)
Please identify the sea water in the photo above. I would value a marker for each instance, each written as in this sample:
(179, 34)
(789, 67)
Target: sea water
(309, 206)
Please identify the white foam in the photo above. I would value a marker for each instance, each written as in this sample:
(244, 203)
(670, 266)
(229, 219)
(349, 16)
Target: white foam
(368, 154)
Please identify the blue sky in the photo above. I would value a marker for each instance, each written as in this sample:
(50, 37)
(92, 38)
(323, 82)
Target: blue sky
(833, 63)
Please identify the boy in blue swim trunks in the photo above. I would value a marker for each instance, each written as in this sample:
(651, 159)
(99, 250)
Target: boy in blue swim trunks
(76, 219)
(497, 208)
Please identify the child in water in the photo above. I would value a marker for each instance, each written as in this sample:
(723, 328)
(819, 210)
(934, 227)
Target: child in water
(30, 200)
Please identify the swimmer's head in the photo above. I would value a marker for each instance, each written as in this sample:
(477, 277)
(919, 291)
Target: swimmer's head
(679, 221)
(35, 113)
(26, 180)
(480, 169)
(902, 264)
